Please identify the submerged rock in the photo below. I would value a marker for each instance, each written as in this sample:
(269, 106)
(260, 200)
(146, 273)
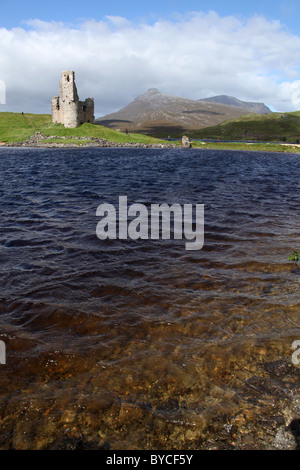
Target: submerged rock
(284, 439)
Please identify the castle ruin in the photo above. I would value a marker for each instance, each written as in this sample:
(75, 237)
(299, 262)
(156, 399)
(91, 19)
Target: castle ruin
(66, 108)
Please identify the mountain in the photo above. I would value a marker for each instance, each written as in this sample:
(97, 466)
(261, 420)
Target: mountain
(162, 115)
(257, 108)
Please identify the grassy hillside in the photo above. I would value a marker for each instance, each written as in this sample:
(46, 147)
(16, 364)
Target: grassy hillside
(15, 127)
(282, 127)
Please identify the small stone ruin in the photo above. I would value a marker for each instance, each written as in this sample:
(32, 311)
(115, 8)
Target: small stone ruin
(66, 108)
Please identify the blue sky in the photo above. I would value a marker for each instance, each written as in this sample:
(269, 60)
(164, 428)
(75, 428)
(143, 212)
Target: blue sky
(119, 49)
(14, 13)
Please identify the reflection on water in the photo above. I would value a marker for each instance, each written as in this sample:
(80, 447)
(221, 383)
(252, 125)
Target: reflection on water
(123, 344)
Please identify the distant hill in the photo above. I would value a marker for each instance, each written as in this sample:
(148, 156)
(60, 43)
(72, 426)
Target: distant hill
(272, 127)
(162, 115)
(258, 108)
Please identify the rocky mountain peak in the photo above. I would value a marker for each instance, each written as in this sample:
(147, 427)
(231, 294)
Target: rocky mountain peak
(155, 110)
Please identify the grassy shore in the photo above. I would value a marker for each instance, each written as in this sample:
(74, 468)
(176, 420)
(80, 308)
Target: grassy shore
(16, 127)
(257, 147)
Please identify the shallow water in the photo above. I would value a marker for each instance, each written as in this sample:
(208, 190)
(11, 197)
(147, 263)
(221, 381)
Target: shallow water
(123, 344)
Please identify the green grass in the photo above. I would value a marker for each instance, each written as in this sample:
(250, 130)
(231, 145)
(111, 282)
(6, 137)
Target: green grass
(274, 127)
(15, 127)
(258, 147)
(71, 140)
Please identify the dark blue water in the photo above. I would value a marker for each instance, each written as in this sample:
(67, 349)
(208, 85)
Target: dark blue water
(141, 344)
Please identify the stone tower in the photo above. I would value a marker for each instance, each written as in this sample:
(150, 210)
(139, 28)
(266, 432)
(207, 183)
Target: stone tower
(66, 108)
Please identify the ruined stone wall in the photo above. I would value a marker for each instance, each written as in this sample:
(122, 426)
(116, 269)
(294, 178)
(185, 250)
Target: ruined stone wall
(87, 110)
(66, 108)
(55, 109)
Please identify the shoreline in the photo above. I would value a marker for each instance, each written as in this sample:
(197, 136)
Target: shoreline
(38, 140)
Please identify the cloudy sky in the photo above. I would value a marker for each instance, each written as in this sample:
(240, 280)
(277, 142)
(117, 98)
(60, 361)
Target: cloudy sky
(120, 49)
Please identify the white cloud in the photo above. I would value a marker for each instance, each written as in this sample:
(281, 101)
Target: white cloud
(199, 55)
(292, 90)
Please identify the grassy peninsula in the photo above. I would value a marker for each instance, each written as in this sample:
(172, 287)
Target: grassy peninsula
(276, 132)
(257, 147)
(17, 127)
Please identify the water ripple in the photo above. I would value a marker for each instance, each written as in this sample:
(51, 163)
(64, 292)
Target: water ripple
(155, 343)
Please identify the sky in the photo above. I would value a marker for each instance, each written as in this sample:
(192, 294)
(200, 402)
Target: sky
(118, 50)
